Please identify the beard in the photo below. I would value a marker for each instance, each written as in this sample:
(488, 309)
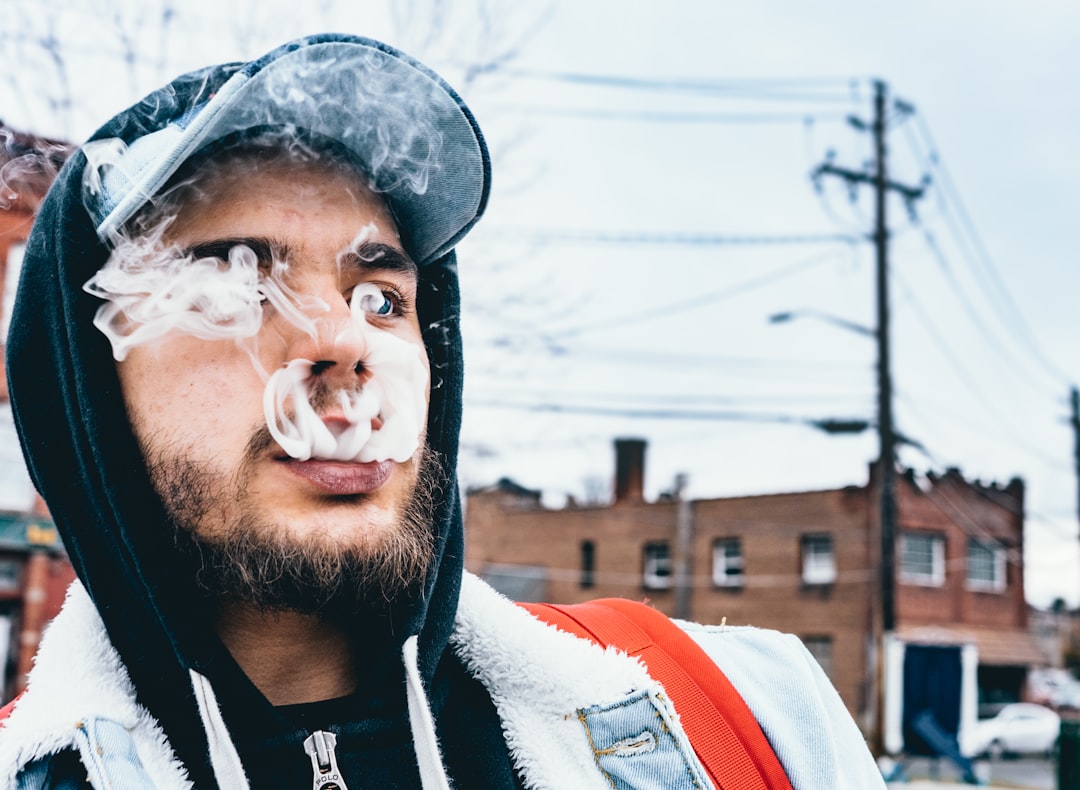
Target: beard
(237, 552)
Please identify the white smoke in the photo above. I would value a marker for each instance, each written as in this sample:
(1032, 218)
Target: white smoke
(395, 395)
(151, 292)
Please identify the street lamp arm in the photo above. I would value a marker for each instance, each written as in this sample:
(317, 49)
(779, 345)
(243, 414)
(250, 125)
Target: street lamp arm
(828, 318)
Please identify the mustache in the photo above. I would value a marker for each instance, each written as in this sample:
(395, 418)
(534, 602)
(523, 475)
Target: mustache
(321, 397)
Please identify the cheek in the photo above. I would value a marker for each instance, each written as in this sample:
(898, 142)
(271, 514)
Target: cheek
(171, 391)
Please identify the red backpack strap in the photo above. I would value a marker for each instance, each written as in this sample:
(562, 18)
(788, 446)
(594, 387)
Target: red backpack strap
(7, 709)
(722, 730)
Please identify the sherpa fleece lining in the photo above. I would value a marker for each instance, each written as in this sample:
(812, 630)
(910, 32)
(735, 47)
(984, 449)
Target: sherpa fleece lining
(77, 675)
(538, 678)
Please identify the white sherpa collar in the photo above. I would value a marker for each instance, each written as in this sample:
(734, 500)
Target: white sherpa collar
(538, 678)
(78, 675)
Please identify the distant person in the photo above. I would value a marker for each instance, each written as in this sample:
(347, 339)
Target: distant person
(236, 371)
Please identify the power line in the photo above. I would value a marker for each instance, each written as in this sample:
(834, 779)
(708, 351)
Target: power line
(750, 580)
(677, 239)
(946, 350)
(992, 339)
(673, 399)
(827, 424)
(967, 232)
(957, 513)
(957, 418)
(756, 365)
(639, 316)
(1030, 515)
(764, 89)
(662, 116)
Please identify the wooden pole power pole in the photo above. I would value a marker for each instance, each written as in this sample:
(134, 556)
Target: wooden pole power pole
(877, 177)
(1076, 444)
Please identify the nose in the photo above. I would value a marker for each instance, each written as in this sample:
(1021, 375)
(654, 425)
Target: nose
(336, 343)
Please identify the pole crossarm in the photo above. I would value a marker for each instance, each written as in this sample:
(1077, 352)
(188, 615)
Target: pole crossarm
(909, 193)
(883, 619)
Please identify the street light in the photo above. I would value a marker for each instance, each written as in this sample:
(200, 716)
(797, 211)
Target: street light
(887, 509)
(887, 439)
(791, 315)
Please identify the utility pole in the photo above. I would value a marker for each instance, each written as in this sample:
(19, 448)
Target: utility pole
(1075, 421)
(885, 621)
(684, 549)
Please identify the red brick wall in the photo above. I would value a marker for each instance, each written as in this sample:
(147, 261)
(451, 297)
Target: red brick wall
(508, 530)
(956, 509)
(770, 528)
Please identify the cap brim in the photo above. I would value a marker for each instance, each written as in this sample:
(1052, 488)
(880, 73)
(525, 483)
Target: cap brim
(410, 131)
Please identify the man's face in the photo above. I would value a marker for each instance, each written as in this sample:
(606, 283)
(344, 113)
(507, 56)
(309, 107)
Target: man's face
(197, 405)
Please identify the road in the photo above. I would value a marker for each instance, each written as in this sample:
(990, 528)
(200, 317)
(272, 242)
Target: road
(1028, 773)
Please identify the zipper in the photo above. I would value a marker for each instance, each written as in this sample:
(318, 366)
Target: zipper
(320, 748)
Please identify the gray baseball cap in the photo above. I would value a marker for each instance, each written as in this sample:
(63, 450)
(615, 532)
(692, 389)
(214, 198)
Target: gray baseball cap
(407, 127)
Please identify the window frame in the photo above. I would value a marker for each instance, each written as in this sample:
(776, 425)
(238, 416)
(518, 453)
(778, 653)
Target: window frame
(656, 556)
(588, 563)
(824, 575)
(936, 576)
(998, 560)
(11, 575)
(737, 562)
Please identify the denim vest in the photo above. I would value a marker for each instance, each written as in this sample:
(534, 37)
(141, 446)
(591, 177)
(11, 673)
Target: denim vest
(108, 758)
(632, 746)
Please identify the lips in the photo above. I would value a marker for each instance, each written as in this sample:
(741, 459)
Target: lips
(339, 478)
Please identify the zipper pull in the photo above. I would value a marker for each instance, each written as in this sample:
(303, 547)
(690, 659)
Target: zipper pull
(320, 748)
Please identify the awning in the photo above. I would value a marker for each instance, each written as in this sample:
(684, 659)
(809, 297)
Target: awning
(1000, 647)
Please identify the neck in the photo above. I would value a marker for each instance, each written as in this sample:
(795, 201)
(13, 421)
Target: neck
(291, 658)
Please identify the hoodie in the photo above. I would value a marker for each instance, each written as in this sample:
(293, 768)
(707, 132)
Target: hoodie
(85, 460)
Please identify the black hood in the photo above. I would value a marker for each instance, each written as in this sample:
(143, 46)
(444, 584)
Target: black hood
(86, 462)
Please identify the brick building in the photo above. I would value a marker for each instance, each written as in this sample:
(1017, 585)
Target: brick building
(34, 571)
(802, 562)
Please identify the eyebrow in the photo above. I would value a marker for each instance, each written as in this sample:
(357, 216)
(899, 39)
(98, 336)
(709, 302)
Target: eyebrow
(366, 255)
(265, 249)
(384, 257)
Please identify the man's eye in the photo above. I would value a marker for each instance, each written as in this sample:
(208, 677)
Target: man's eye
(373, 305)
(373, 300)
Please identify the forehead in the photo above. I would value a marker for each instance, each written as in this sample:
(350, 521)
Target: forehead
(302, 193)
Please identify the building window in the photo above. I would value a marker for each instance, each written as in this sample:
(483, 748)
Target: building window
(818, 559)
(657, 574)
(588, 563)
(518, 582)
(922, 559)
(727, 562)
(820, 648)
(9, 575)
(985, 565)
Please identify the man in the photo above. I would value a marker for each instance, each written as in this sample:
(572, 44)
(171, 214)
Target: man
(236, 370)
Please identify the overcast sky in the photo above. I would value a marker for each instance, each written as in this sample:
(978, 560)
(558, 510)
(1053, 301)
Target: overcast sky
(653, 207)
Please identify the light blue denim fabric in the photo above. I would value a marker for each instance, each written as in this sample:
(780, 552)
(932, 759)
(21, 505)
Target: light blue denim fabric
(108, 755)
(636, 750)
(800, 712)
(34, 776)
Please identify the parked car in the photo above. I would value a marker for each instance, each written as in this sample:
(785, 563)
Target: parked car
(1019, 728)
(1043, 683)
(1066, 697)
